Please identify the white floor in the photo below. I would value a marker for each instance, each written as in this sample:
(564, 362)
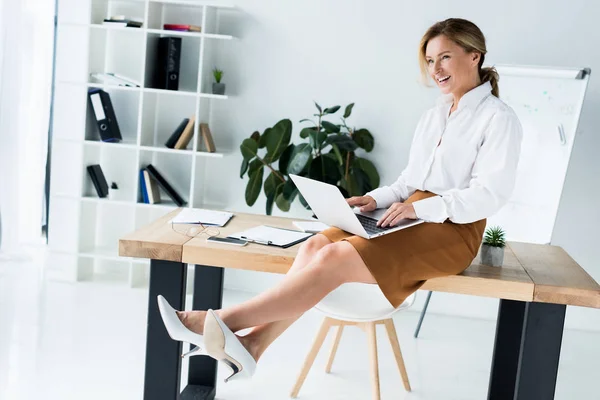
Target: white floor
(86, 341)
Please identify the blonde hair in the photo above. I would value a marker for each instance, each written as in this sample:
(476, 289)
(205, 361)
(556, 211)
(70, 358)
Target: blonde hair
(468, 36)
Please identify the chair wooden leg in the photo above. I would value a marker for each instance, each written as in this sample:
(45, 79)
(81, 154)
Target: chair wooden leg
(334, 348)
(374, 364)
(391, 331)
(310, 358)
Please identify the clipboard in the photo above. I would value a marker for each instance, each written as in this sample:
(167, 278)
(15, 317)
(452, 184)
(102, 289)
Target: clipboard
(272, 236)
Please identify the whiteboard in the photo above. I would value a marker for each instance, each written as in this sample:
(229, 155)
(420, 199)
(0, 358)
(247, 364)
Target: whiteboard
(548, 102)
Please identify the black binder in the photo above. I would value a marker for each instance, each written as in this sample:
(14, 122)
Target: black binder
(165, 186)
(169, 58)
(98, 179)
(105, 115)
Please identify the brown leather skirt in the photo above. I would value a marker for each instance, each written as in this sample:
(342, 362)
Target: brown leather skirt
(402, 261)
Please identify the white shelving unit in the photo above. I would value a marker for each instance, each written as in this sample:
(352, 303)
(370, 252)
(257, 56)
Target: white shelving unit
(84, 229)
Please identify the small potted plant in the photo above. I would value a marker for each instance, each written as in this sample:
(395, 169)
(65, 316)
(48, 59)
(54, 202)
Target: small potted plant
(218, 87)
(492, 249)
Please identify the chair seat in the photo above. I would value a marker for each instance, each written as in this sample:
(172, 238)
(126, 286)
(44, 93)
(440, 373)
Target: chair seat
(359, 302)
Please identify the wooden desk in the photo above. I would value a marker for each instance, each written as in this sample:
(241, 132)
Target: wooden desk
(534, 286)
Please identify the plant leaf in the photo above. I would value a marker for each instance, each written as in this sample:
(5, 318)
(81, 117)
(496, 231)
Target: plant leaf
(342, 141)
(304, 133)
(338, 155)
(362, 181)
(262, 141)
(299, 158)
(306, 119)
(331, 110)
(279, 138)
(289, 191)
(284, 160)
(369, 169)
(254, 165)
(254, 186)
(318, 107)
(324, 169)
(271, 184)
(269, 207)
(255, 136)
(329, 127)
(280, 200)
(364, 139)
(249, 149)
(243, 168)
(348, 110)
(317, 138)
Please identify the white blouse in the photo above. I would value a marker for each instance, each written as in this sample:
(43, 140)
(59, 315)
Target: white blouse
(474, 167)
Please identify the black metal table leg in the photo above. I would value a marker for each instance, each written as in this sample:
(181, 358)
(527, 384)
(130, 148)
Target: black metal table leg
(202, 374)
(526, 351)
(540, 351)
(505, 360)
(163, 355)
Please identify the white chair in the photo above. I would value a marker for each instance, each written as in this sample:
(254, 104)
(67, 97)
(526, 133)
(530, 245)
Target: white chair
(365, 306)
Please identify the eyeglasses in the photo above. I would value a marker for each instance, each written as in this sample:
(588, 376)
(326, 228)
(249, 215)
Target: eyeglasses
(195, 230)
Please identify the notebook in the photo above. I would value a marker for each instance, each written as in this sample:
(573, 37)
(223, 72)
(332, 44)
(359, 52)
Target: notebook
(201, 216)
(271, 236)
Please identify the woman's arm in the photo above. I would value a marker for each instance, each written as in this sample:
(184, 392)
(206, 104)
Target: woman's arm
(492, 178)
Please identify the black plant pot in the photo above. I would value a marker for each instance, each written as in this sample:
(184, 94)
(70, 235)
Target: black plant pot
(218, 88)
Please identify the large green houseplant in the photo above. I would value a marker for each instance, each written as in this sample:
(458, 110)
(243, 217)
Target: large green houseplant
(328, 156)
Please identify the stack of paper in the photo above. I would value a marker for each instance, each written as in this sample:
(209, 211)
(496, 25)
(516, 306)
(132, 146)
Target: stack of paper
(310, 226)
(201, 216)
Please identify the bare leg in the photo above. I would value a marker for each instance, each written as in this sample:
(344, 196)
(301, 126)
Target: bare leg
(194, 320)
(332, 266)
(260, 337)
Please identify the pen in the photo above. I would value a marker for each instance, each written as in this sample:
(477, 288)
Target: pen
(268, 242)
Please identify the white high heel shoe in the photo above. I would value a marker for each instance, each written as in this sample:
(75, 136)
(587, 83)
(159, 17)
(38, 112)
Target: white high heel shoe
(178, 331)
(223, 345)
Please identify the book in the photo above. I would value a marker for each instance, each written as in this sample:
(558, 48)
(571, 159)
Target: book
(170, 143)
(162, 182)
(114, 79)
(143, 188)
(98, 179)
(151, 188)
(121, 21)
(207, 138)
(182, 27)
(186, 135)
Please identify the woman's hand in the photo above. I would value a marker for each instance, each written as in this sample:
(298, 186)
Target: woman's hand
(366, 203)
(395, 213)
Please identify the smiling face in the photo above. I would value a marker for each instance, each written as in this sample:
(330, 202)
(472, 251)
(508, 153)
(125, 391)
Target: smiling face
(451, 67)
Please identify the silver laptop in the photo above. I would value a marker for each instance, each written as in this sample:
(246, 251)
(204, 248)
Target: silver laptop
(330, 207)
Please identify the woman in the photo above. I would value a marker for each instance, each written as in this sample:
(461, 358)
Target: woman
(461, 170)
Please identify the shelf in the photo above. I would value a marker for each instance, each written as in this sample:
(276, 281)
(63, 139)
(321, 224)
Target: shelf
(166, 150)
(122, 144)
(189, 34)
(192, 3)
(109, 27)
(147, 90)
(163, 204)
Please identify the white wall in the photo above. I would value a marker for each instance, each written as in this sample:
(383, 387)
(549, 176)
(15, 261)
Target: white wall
(336, 52)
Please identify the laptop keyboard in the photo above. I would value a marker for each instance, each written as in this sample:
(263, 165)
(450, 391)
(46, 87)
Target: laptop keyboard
(370, 225)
